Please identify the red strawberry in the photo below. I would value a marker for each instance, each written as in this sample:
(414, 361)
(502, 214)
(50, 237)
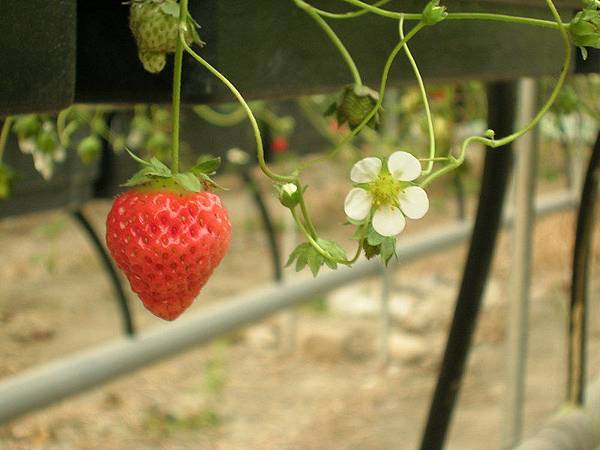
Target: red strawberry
(279, 144)
(167, 242)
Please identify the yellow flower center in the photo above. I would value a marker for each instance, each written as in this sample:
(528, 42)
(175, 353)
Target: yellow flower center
(385, 190)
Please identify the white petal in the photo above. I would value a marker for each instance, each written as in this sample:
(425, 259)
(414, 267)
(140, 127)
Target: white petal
(403, 166)
(358, 204)
(388, 220)
(413, 202)
(365, 170)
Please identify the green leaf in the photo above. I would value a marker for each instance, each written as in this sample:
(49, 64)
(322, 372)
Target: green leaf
(373, 237)
(315, 261)
(140, 177)
(388, 249)
(302, 260)
(188, 181)
(337, 253)
(170, 8)
(296, 252)
(207, 165)
(159, 169)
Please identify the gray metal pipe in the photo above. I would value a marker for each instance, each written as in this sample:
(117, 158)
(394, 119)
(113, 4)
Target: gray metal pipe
(572, 428)
(42, 386)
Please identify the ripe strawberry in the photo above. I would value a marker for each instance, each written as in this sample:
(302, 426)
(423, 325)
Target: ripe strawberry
(155, 25)
(279, 144)
(167, 241)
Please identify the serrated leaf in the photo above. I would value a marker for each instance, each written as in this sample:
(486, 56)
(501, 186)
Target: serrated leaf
(188, 181)
(302, 260)
(331, 264)
(138, 178)
(207, 165)
(337, 253)
(299, 249)
(315, 261)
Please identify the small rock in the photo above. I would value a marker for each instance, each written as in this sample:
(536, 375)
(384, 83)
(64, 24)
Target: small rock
(408, 348)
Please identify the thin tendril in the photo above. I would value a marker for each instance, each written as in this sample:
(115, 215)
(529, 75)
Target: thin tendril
(378, 104)
(334, 38)
(494, 143)
(421, 84)
(260, 153)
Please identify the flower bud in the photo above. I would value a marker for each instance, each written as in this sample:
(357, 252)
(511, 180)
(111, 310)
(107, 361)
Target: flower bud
(433, 13)
(289, 196)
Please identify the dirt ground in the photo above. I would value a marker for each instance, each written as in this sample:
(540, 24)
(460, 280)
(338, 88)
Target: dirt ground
(250, 391)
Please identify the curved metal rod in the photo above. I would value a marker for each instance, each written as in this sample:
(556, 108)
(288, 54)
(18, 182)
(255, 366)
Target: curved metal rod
(498, 163)
(128, 325)
(578, 310)
(265, 216)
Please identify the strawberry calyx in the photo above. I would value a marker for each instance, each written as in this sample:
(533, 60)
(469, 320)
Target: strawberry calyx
(154, 174)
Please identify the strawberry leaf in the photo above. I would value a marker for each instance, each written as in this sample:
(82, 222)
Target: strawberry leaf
(188, 181)
(207, 165)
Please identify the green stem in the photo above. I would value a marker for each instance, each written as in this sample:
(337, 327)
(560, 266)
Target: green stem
(260, 153)
(311, 228)
(6, 126)
(421, 84)
(309, 236)
(183, 15)
(220, 119)
(334, 38)
(384, 77)
(460, 16)
(494, 143)
(348, 15)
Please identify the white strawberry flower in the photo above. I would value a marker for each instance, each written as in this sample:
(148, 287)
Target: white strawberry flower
(385, 194)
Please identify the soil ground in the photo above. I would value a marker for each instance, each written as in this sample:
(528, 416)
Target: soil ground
(249, 391)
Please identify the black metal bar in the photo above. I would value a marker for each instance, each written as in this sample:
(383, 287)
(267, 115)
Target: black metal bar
(498, 163)
(265, 216)
(578, 311)
(128, 325)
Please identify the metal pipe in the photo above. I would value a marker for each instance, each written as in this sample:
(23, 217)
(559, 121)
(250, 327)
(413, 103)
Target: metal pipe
(571, 428)
(516, 340)
(42, 386)
(578, 308)
(126, 318)
(501, 109)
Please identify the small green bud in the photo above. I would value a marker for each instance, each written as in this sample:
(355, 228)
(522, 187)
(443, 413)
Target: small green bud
(98, 125)
(490, 134)
(47, 139)
(89, 149)
(433, 13)
(289, 196)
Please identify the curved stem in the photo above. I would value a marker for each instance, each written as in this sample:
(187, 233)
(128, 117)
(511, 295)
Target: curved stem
(220, 119)
(334, 38)
(6, 126)
(421, 84)
(260, 152)
(311, 228)
(384, 77)
(348, 15)
(494, 143)
(460, 16)
(183, 15)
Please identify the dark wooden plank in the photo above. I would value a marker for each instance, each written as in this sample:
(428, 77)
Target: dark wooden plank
(37, 50)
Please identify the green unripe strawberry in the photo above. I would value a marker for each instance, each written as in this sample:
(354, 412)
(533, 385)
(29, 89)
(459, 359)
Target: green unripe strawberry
(27, 126)
(89, 149)
(155, 26)
(356, 103)
(47, 139)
